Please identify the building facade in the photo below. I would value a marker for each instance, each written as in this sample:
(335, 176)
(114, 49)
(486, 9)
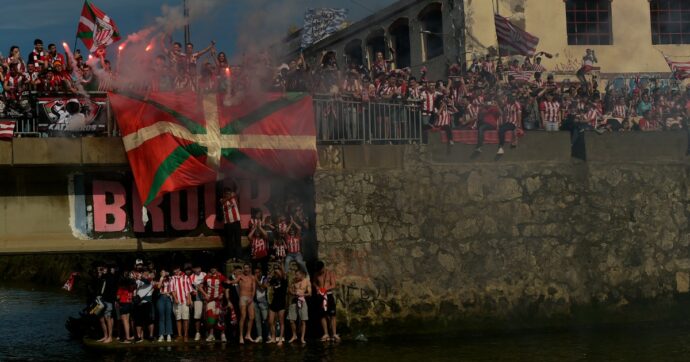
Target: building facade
(412, 33)
(628, 36)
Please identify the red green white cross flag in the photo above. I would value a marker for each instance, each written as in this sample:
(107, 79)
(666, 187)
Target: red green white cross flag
(176, 140)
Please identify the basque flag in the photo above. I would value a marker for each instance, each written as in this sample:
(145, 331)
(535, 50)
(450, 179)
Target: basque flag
(176, 140)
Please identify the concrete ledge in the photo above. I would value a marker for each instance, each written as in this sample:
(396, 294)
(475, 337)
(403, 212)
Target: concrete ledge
(103, 151)
(534, 146)
(46, 151)
(636, 146)
(373, 156)
(37, 244)
(5, 153)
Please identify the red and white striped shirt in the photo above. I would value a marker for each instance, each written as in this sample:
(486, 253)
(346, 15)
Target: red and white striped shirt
(538, 68)
(593, 116)
(428, 102)
(231, 212)
(293, 244)
(512, 113)
(478, 100)
(473, 113)
(280, 249)
(620, 111)
(181, 287)
(443, 118)
(214, 286)
(551, 111)
(414, 93)
(259, 247)
(165, 287)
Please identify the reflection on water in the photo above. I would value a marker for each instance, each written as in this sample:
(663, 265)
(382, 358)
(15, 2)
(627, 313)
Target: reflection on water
(32, 328)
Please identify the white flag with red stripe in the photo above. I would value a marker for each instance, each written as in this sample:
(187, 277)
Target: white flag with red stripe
(513, 40)
(96, 29)
(7, 129)
(681, 70)
(525, 76)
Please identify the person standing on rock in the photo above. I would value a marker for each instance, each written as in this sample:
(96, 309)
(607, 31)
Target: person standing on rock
(299, 290)
(324, 284)
(247, 283)
(231, 222)
(294, 246)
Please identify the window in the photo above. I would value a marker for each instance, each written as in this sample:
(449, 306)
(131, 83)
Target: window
(400, 33)
(432, 30)
(588, 22)
(670, 21)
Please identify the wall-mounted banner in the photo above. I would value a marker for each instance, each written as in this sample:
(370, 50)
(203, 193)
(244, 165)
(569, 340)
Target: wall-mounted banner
(107, 206)
(56, 113)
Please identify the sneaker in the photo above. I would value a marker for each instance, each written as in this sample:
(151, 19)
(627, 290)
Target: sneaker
(222, 338)
(478, 149)
(161, 339)
(451, 142)
(259, 340)
(169, 339)
(139, 340)
(210, 338)
(500, 151)
(197, 336)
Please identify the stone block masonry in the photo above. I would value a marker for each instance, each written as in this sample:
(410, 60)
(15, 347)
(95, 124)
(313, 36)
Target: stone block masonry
(517, 244)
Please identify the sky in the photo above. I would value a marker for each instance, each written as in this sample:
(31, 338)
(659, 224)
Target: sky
(55, 21)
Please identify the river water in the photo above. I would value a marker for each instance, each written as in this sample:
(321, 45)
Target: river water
(32, 328)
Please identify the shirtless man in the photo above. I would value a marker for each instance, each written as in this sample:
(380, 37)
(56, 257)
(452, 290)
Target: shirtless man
(324, 284)
(247, 283)
(299, 290)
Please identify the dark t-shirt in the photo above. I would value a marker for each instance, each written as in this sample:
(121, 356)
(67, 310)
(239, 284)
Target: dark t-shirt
(109, 289)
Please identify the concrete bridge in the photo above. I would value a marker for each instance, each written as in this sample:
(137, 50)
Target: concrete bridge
(57, 194)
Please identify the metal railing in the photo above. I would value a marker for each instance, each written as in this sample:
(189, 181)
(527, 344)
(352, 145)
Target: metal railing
(348, 121)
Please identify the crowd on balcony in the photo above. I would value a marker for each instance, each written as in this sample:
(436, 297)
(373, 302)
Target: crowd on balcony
(500, 93)
(488, 93)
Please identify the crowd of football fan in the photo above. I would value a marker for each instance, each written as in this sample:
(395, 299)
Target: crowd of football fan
(490, 93)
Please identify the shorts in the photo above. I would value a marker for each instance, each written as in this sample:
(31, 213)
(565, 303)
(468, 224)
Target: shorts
(244, 300)
(125, 308)
(143, 314)
(108, 310)
(277, 304)
(181, 312)
(293, 312)
(198, 309)
(330, 305)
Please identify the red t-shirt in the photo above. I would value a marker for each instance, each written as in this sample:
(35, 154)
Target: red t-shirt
(492, 115)
(124, 295)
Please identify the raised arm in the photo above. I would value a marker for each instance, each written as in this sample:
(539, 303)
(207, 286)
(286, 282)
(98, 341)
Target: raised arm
(207, 49)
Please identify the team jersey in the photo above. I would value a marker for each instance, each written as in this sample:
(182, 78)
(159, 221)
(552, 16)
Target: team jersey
(593, 117)
(231, 212)
(428, 102)
(124, 295)
(259, 247)
(444, 118)
(280, 249)
(620, 111)
(293, 244)
(551, 111)
(512, 113)
(181, 287)
(214, 286)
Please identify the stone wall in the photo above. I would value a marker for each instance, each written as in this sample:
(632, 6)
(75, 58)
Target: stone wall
(505, 244)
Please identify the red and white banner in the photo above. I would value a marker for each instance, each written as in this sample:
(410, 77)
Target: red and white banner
(681, 70)
(7, 129)
(513, 40)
